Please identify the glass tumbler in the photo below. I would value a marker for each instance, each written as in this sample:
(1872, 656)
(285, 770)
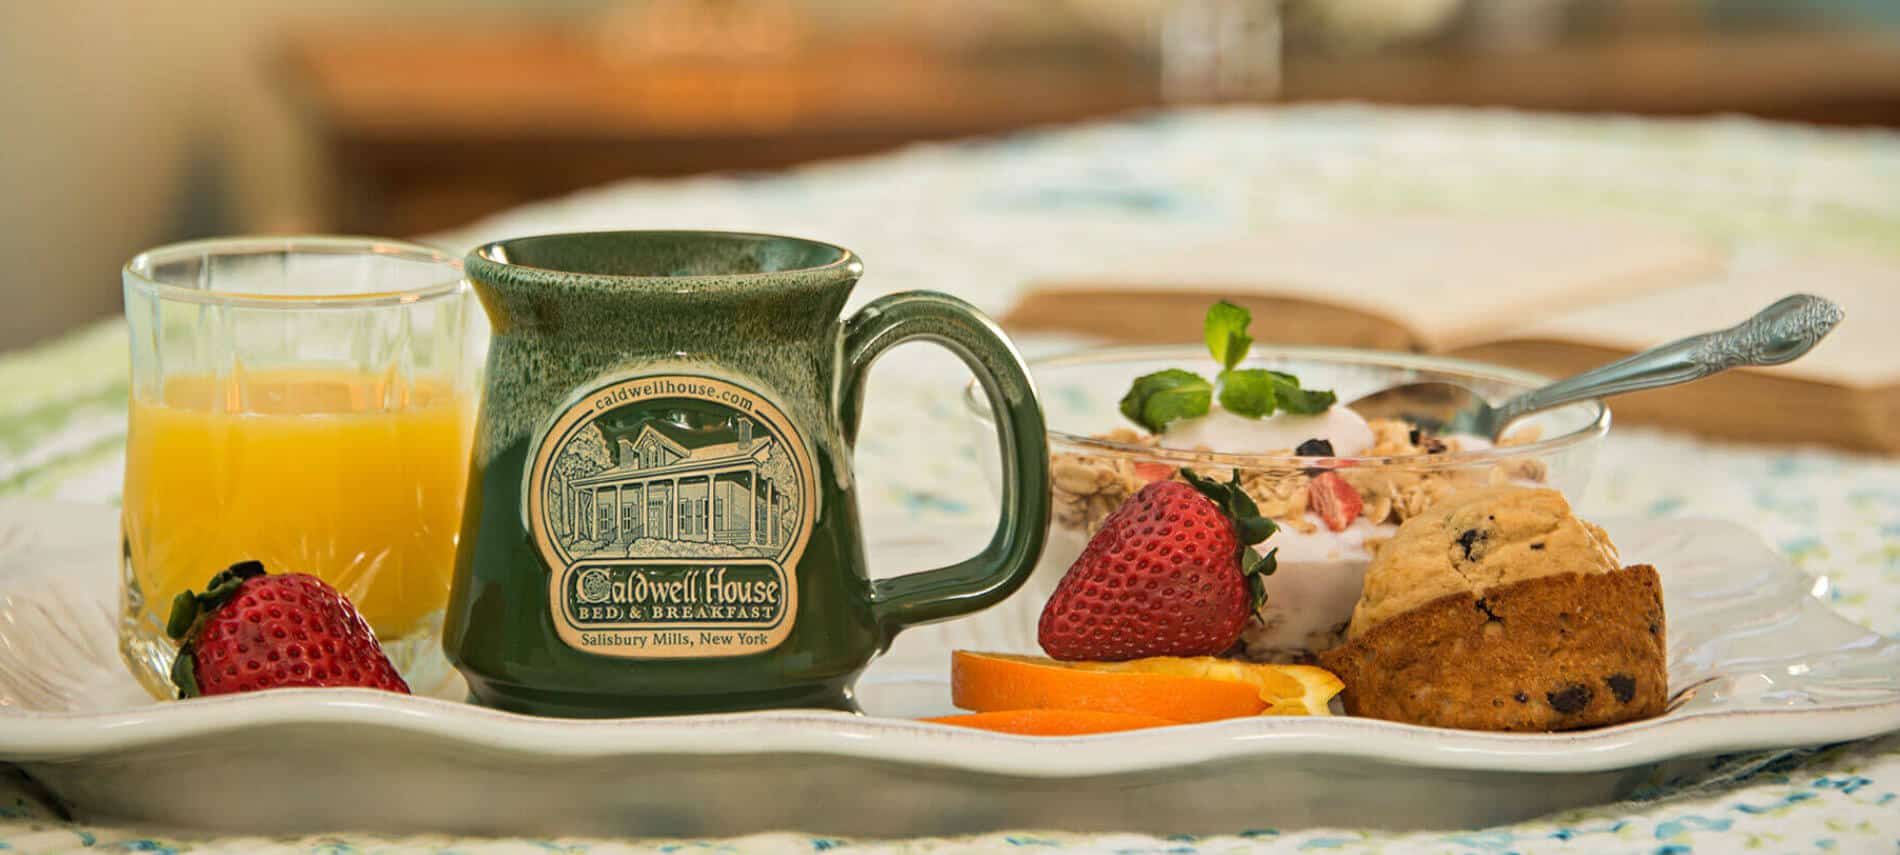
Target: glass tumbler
(308, 403)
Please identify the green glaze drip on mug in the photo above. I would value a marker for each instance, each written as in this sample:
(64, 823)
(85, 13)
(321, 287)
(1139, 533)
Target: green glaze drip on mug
(568, 310)
(586, 586)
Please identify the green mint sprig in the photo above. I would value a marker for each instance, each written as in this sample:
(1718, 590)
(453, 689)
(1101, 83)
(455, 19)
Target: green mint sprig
(1166, 396)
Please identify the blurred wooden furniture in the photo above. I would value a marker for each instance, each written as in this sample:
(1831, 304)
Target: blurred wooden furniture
(427, 129)
(1824, 77)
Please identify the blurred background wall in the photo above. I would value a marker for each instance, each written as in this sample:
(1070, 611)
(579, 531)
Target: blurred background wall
(132, 123)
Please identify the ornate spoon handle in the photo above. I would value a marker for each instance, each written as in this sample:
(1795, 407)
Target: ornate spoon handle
(1777, 334)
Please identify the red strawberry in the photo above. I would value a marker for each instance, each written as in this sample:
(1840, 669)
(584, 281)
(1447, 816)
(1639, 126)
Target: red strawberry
(250, 631)
(1334, 500)
(1169, 574)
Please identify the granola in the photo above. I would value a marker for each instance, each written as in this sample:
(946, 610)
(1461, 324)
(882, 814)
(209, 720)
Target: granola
(1089, 487)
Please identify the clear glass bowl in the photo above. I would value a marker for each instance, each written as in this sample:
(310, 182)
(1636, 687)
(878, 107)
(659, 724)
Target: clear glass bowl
(1320, 570)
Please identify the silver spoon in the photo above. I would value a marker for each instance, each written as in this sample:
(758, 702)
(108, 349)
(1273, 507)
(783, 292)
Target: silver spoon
(1778, 334)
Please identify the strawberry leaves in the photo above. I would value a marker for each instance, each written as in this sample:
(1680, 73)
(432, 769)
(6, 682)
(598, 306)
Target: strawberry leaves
(1257, 574)
(1166, 396)
(185, 673)
(188, 605)
(1249, 528)
(189, 609)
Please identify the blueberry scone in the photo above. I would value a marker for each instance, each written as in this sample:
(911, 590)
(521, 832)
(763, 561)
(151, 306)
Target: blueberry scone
(1498, 609)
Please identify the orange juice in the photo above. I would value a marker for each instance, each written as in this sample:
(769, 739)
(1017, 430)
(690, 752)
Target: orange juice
(355, 478)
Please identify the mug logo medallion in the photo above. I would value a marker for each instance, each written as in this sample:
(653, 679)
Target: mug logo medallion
(671, 511)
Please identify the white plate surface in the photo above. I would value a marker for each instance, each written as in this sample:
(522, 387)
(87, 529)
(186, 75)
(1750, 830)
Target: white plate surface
(1758, 661)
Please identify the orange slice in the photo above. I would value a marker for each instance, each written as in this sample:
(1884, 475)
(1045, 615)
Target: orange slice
(1053, 722)
(1285, 689)
(999, 682)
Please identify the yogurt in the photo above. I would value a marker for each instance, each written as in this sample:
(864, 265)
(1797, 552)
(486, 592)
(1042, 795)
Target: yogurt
(1229, 433)
(1311, 596)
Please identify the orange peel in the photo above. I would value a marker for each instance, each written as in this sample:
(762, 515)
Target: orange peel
(998, 682)
(1178, 689)
(1053, 722)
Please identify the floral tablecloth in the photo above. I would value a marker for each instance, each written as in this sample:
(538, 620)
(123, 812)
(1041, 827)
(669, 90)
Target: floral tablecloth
(979, 219)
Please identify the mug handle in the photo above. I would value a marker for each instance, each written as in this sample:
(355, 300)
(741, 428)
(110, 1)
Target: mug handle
(1007, 561)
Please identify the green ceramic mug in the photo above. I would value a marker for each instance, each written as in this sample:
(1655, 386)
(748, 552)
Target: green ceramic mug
(661, 515)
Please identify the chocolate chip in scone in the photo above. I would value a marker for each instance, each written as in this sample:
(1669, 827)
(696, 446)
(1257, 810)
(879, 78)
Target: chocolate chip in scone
(1469, 541)
(1315, 448)
(1539, 546)
(1521, 698)
(1571, 699)
(1489, 615)
(1654, 628)
(1623, 686)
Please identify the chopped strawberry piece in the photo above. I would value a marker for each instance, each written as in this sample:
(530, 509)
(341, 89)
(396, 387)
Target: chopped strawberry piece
(1334, 500)
(1152, 472)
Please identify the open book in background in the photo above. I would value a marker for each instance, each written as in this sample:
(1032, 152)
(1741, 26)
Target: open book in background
(1546, 296)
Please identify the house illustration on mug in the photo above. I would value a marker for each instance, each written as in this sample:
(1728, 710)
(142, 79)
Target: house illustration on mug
(732, 488)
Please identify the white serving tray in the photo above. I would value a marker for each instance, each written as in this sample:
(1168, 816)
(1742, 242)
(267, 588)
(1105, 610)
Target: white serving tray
(1757, 663)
